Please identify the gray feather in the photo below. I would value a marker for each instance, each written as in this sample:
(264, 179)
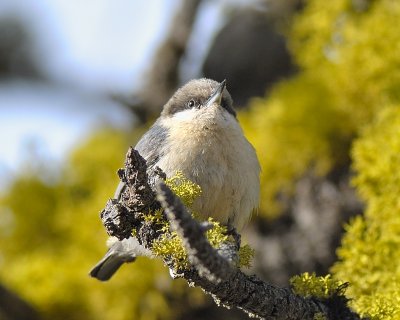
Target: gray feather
(106, 268)
(120, 252)
(150, 147)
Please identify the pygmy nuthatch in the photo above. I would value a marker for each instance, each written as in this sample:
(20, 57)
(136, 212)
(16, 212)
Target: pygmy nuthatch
(198, 134)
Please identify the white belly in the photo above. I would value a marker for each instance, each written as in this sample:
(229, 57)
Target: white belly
(222, 162)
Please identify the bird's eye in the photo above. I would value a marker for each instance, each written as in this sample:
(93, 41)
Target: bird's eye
(191, 103)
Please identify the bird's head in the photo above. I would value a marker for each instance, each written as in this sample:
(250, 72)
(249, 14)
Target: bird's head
(200, 99)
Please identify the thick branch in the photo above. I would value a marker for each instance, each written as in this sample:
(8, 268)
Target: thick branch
(202, 256)
(233, 288)
(209, 270)
(12, 307)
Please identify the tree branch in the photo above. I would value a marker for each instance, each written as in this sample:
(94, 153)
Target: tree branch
(13, 307)
(202, 256)
(210, 270)
(162, 78)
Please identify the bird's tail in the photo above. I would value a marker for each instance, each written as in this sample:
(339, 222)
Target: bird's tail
(107, 266)
(119, 253)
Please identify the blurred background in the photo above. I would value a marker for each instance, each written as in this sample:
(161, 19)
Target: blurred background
(79, 83)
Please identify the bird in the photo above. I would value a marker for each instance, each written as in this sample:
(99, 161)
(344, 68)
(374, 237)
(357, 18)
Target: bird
(197, 134)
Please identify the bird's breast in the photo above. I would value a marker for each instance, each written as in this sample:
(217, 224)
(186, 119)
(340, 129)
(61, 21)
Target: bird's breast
(219, 159)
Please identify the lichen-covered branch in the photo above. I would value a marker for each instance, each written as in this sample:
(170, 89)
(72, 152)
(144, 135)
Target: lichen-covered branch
(202, 256)
(208, 269)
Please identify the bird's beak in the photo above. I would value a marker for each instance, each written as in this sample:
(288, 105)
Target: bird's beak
(216, 96)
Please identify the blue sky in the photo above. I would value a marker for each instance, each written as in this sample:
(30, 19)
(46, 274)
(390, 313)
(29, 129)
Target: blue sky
(88, 41)
(88, 48)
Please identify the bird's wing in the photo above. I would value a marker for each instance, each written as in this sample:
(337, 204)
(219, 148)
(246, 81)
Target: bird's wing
(151, 147)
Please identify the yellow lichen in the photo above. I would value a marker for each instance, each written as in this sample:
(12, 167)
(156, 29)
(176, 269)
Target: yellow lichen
(170, 245)
(309, 285)
(246, 255)
(185, 189)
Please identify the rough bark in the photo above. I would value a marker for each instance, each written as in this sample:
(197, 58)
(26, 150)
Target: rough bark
(209, 270)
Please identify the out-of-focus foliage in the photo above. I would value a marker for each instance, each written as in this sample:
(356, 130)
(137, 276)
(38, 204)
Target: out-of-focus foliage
(347, 90)
(349, 69)
(52, 236)
(370, 255)
(292, 132)
(361, 67)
